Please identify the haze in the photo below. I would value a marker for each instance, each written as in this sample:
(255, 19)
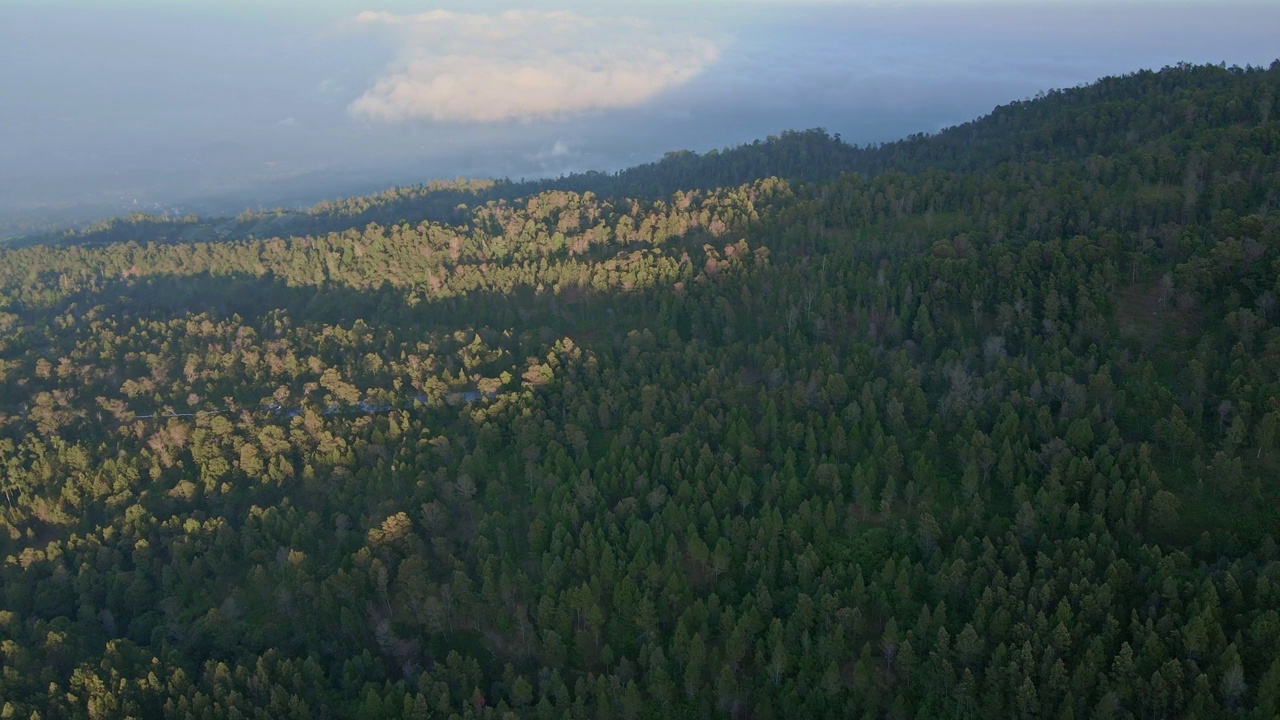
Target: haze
(212, 107)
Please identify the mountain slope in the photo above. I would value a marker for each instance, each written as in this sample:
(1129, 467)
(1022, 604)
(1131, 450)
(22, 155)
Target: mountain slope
(993, 443)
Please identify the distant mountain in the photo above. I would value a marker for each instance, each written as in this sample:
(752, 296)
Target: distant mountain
(809, 155)
(1152, 112)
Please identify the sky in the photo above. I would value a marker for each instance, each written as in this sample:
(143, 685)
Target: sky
(212, 106)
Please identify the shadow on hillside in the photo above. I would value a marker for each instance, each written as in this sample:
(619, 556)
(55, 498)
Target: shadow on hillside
(254, 297)
(582, 312)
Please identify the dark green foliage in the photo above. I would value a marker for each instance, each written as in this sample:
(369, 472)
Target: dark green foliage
(982, 438)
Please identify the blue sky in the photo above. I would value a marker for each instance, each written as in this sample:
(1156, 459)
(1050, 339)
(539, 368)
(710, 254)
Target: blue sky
(110, 106)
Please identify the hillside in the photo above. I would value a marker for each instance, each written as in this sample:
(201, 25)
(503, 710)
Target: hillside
(809, 156)
(987, 428)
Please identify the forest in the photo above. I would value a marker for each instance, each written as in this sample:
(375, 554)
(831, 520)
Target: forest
(984, 423)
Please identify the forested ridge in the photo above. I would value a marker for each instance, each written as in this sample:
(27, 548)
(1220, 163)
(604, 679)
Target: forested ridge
(989, 428)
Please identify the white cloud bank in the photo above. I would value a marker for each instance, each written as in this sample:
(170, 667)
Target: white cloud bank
(524, 65)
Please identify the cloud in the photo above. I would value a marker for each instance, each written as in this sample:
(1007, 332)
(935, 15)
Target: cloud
(555, 151)
(524, 65)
